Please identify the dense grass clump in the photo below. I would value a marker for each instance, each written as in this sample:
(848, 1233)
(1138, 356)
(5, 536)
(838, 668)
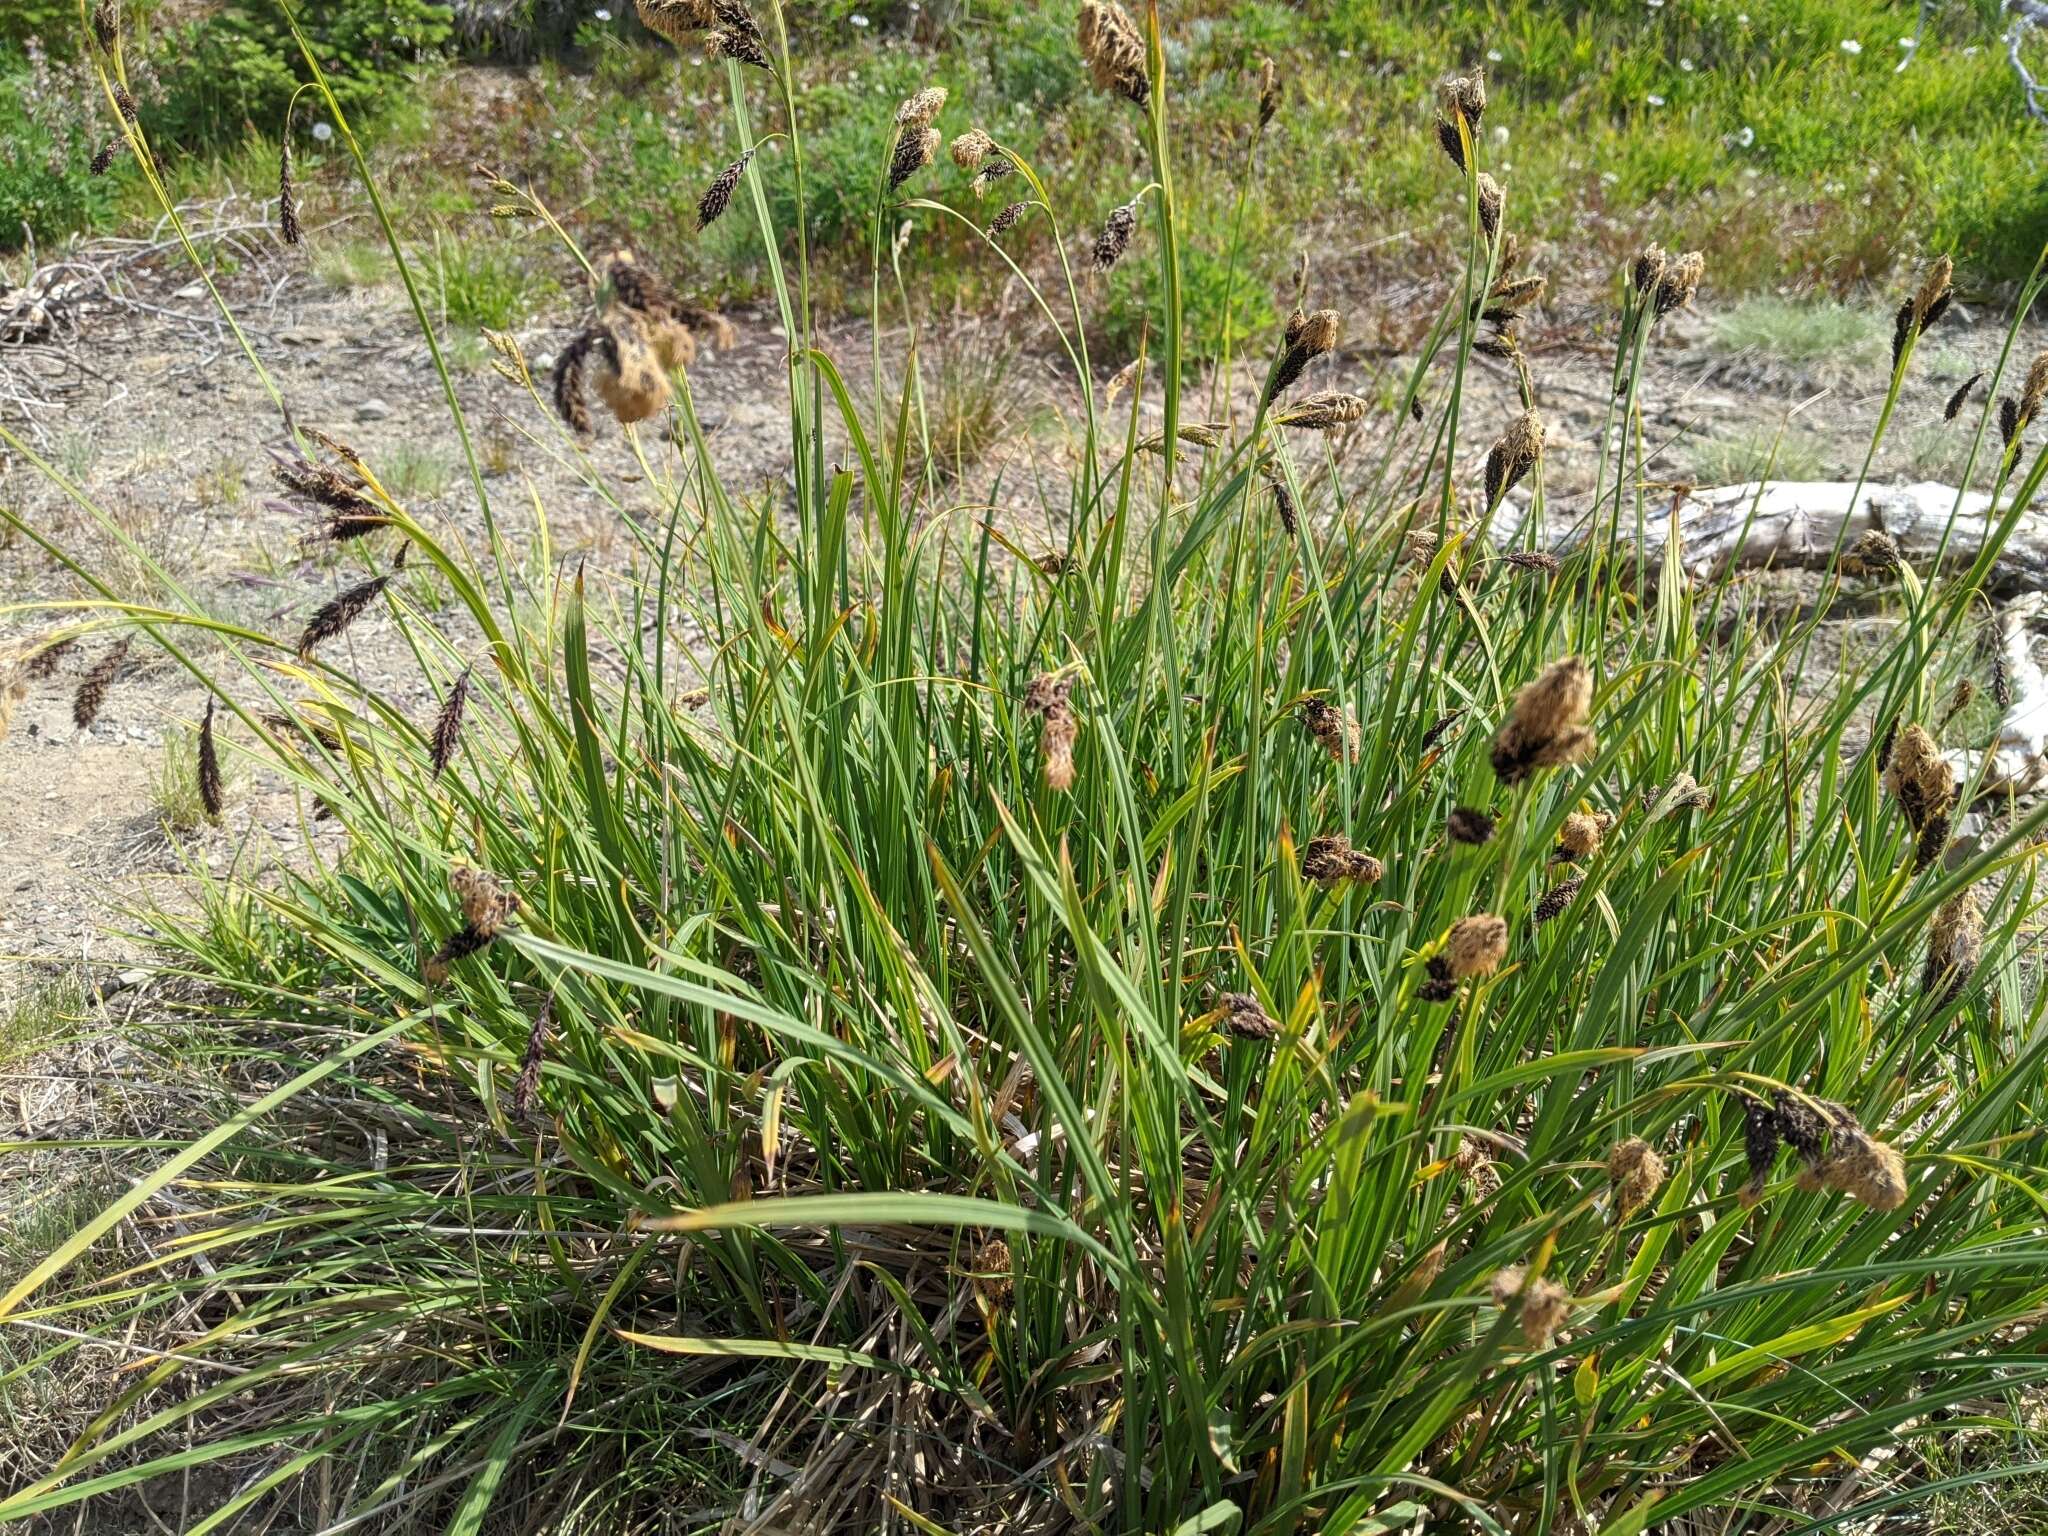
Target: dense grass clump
(1256, 995)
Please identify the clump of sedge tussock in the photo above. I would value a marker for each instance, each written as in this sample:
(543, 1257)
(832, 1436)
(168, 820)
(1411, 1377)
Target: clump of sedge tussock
(486, 908)
(718, 196)
(1546, 726)
(1919, 778)
(1926, 305)
(1541, 1306)
(1513, 456)
(333, 617)
(1961, 397)
(1460, 99)
(1551, 904)
(1955, 943)
(1334, 730)
(211, 796)
(1115, 238)
(1243, 1018)
(1330, 860)
(1635, 1172)
(1468, 826)
(91, 696)
(447, 733)
(1048, 698)
(1308, 337)
(1323, 411)
(914, 151)
(1114, 50)
(1875, 553)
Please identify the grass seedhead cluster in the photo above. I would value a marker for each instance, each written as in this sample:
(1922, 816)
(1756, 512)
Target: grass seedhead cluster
(832, 1022)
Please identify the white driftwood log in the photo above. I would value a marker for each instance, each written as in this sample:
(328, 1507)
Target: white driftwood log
(1799, 524)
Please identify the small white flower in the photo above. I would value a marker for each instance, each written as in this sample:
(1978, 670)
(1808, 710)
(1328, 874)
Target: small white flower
(1608, 179)
(1343, 53)
(323, 131)
(602, 14)
(857, 19)
(1970, 52)
(1742, 18)
(1909, 43)
(1851, 46)
(1654, 100)
(1493, 55)
(1746, 137)
(1500, 133)
(1656, 5)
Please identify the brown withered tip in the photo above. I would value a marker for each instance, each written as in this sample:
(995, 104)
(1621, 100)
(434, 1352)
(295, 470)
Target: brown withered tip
(1635, 1172)
(1330, 860)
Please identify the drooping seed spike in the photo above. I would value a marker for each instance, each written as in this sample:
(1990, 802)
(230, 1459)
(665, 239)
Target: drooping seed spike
(210, 795)
(91, 696)
(447, 734)
(334, 616)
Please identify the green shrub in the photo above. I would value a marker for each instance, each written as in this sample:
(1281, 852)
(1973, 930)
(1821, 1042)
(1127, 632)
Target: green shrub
(48, 134)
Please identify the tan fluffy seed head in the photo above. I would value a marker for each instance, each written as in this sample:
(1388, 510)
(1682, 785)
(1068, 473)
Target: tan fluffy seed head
(1323, 411)
(626, 370)
(1955, 943)
(971, 148)
(1866, 1169)
(486, 905)
(1113, 49)
(1476, 945)
(1680, 281)
(1514, 455)
(1919, 777)
(1561, 697)
(1635, 1171)
(1579, 837)
(918, 111)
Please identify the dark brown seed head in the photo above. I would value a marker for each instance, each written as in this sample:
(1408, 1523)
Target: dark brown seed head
(1513, 456)
(104, 159)
(2008, 420)
(1932, 842)
(1436, 730)
(1451, 140)
(1957, 400)
(1114, 50)
(1490, 200)
(44, 662)
(92, 688)
(1648, 271)
(1115, 238)
(1308, 337)
(106, 25)
(740, 46)
(1680, 281)
(1245, 1019)
(2001, 681)
(1955, 943)
(1335, 732)
(568, 383)
(1469, 826)
(914, 151)
(1886, 743)
(1761, 1135)
(1005, 220)
(676, 20)
(1533, 560)
(340, 611)
(1902, 332)
(287, 197)
(124, 103)
(1269, 91)
(1283, 501)
(718, 196)
(994, 1282)
(447, 733)
(526, 1093)
(1875, 553)
(1439, 986)
(209, 767)
(2034, 388)
(1553, 901)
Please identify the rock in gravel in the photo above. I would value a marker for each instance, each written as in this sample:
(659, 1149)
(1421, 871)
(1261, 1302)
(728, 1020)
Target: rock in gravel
(373, 409)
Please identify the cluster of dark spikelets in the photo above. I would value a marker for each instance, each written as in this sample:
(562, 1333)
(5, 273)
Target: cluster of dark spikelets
(1284, 506)
(1532, 562)
(1834, 1150)
(1334, 731)
(1331, 860)
(1113, 49)
(287, 194)
(341, 498)
(1513, 456)
(731, 29)
(570, 371)
(1502, 305)
(1955, 943)
(1546, 726)
(1959, 699)
(106, 25)
(718, 196)
(486, 908)
(1269, 91)
(1307, 337)
(1927, 304)
(91, 696)
(1048, 697)
(1663, 282)
(1244, 1019)
(1474, 947)
(1957, 400)
(1115, 238)
(1003, 222)
(1635, 1172)
(2001, 680)
(1436, 730)
(915, 148)
(1551, 903)
(326, 736)
(44, 659)
(1921, 780)
(1469, 826)
(210, 788)
(526, 1092)
(1461, 99)
(333, 617)
(1324, 411)
(1541, 1306)
(1491, 201)
(2014, 416)
(1874, 554)
(447, 733)
(103, 158)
